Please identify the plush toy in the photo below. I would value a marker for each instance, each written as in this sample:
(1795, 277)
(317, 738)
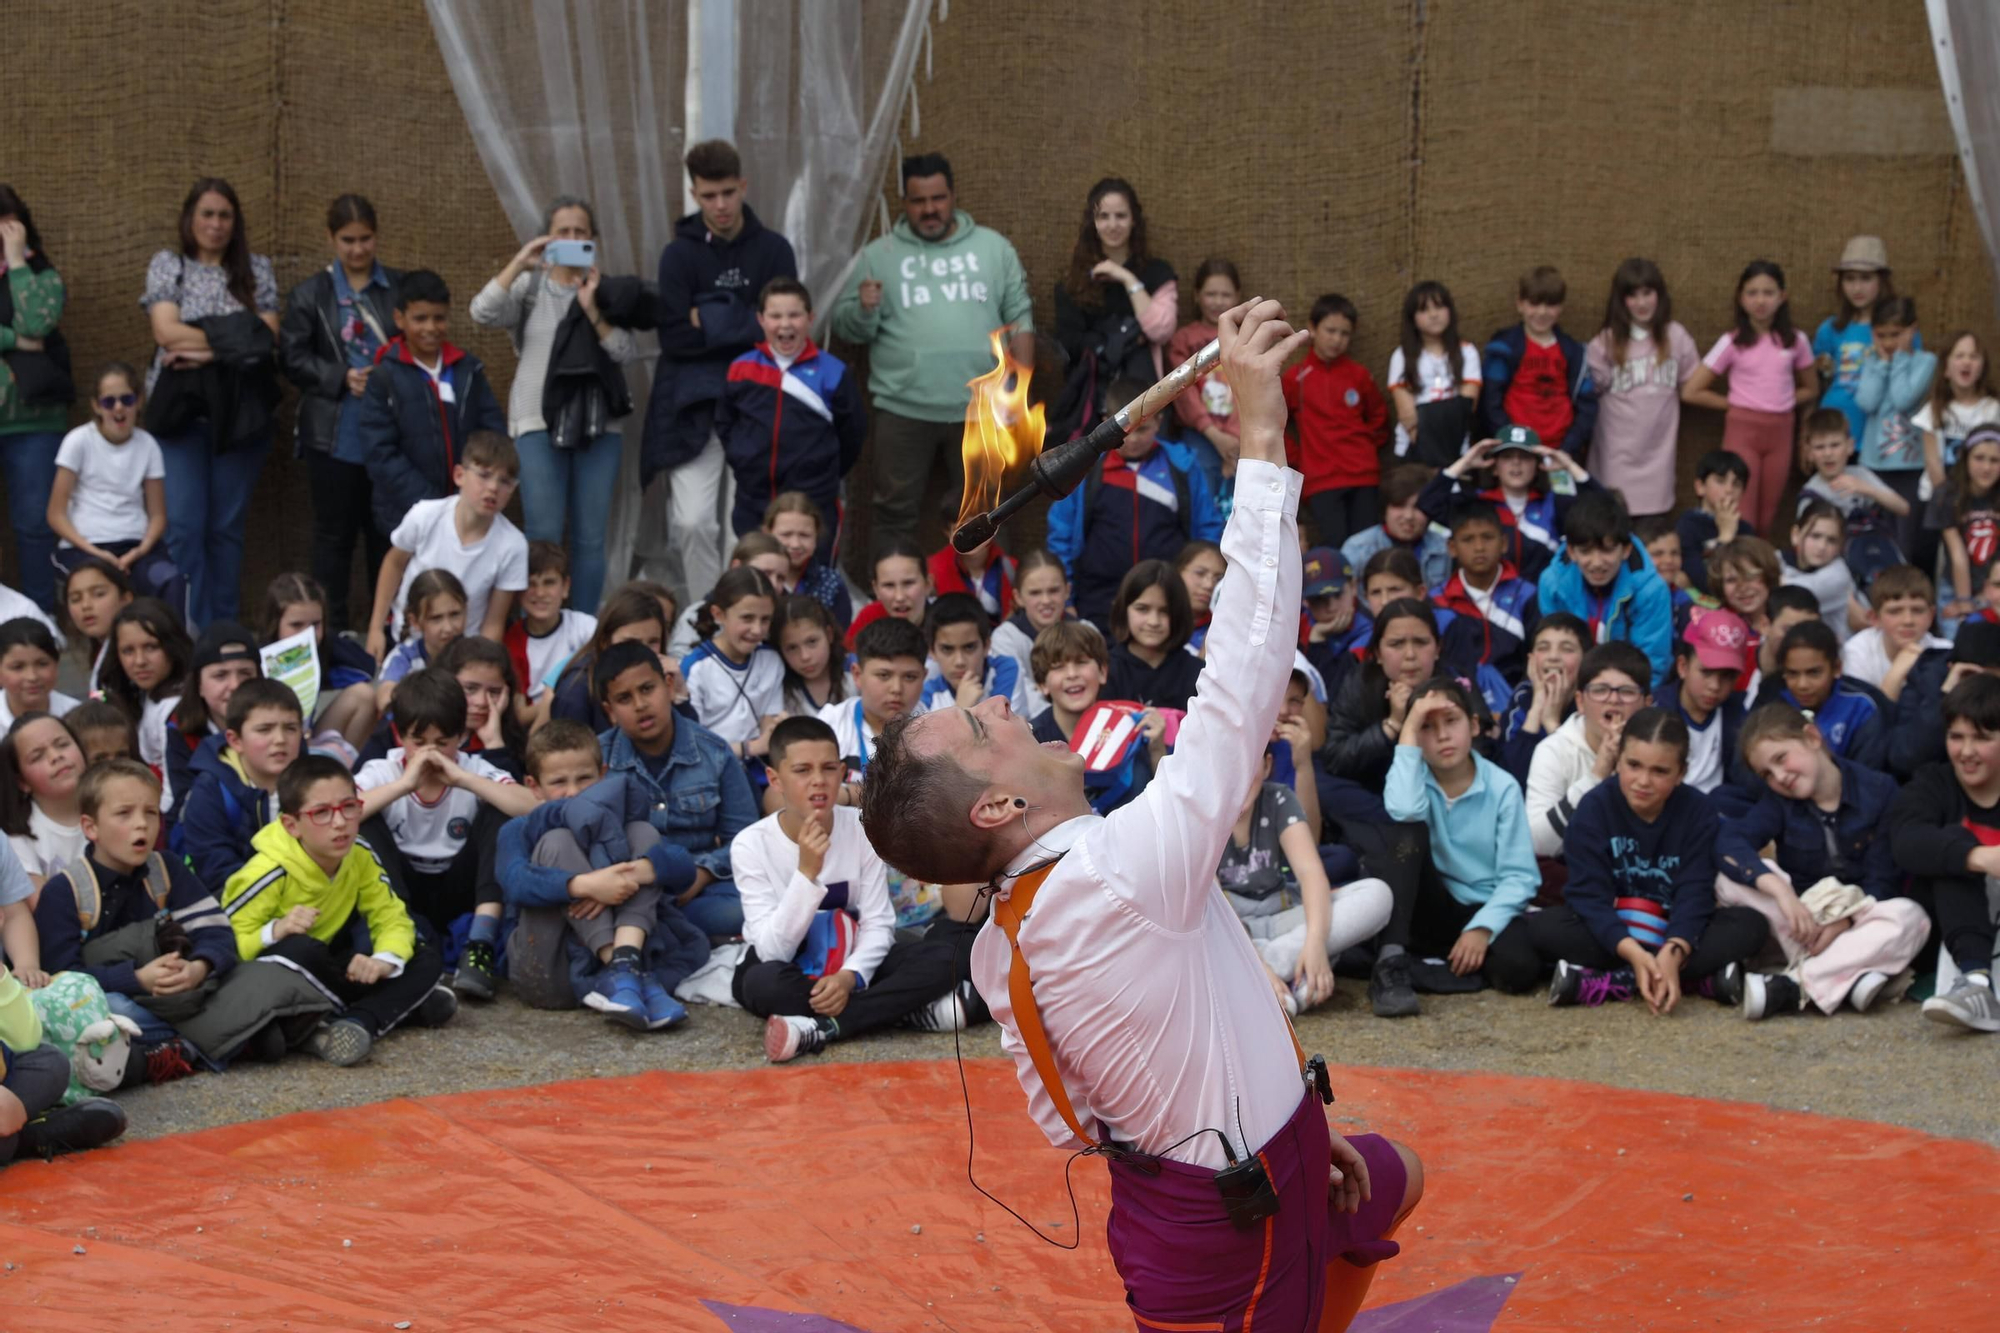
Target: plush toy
(77, 1021)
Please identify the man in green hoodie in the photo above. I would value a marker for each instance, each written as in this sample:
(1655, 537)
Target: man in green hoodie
(926, 299)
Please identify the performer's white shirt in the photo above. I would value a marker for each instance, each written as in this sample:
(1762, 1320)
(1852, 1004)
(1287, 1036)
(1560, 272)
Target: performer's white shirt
(1157, 1007)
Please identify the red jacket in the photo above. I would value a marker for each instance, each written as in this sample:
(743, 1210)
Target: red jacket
(1339, 423)
(997, 582)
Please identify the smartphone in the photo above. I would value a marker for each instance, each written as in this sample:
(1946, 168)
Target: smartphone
(571, 254)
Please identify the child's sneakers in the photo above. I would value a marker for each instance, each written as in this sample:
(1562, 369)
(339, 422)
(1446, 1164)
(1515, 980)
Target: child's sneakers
(437, 1008)
(477, 966)
(91, 1123)
(1969, 1004)
(619, 996)
(1590, 986)
(1874, 986)
(166, 1061)
(342, 1042)
(662, 1010)
(1764, 996)
(1724, 985)
(786, 1037)
(944, 1014)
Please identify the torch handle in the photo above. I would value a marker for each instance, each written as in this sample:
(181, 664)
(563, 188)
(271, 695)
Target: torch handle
(1173, 385)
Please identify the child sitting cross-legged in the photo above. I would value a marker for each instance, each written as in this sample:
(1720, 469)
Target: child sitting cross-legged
(236, 782)
(959, 634)
(304, 897)
(1071, 668)
(1850, 941)
(824, 962)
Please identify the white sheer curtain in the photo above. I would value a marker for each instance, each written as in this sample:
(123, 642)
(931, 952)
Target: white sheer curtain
(1965, 34)
(600, 98)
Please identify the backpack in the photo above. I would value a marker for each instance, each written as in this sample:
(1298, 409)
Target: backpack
(90, 896)
(1183, 504)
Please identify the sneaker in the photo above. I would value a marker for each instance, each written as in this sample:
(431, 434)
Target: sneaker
(619, 996)
(168, 1061)
(268, 1045)
(944, 1014)
(1765, 996)
(787, 1037)
(1590, 986)
(1971, 1004)
(1879, 986)
(437, 1008)
(661, 1009)
(1724, 986)
(91, 1123)
(476, 968)
(342, 1042)
(1389, 988)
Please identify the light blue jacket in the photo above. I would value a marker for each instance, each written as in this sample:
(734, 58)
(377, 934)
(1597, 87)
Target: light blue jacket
(1887, 393)
(1479, 842)
(1431, 554)
(1640, 610)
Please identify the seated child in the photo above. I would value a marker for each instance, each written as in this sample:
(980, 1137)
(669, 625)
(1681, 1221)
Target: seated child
(1663, 547)
(1717, 517)
(1272, 875)
(224, 657)
(735, 677)
(1967, 511)
(1333, 630)
(631, 614)
(1916, 733)
(439, 809)
(236, 782)
(1788, 606)
(888, 684)
(493, 706)
(1814, 563)
(109, 499)
(1708, 660)
(34, 1079)
(305, 898)
(1480, 871)
(1944, 831)
(104, 731)
(760, 551)
(1071, 667)
(548, 632)
(1828, 818)
(296, 603)
(41, 764)
(1404, 524)
(901, 582)
(1488, 592)
(1851, 718)
(824, 963)
(1898, 646)
(146, 673)
(1869, 504)
(29, 660)
(1201, 567)
(805, 634)
(986, 572)
(1639, 911)
(1532, 489)
(1604, 579)
(1041, 599)
(586, 867)
(1150, 624)
(1546, 695)
(797, 525)
(436, 617)
(959, 635)
(1613, 681)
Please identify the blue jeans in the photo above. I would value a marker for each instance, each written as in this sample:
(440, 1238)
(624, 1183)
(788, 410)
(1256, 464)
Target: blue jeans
(717, 910)
(577, 484)
(208, 499)
(29, 463)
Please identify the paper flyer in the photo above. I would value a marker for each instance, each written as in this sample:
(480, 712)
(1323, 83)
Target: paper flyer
(295, 661)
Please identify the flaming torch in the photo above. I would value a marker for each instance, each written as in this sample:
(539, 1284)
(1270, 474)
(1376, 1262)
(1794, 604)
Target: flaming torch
(1000, 429)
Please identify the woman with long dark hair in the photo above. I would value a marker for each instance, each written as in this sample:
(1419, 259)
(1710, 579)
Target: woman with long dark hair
(1116, 307)
(194, 294)
(35, 391)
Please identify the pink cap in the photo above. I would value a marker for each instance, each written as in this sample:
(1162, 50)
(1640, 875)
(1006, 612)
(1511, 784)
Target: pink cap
(1721, 640)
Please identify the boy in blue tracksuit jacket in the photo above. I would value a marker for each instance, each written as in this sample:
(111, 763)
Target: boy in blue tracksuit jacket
(1606, 580)
(424, 398)
(1143, 502)
(235, 779)
(790, 417)
(1502, 358)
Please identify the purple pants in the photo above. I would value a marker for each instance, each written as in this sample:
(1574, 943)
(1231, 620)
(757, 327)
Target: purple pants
(1187, 1267)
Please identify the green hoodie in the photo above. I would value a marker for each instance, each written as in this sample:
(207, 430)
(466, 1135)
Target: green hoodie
(282, 876)
(941, 301)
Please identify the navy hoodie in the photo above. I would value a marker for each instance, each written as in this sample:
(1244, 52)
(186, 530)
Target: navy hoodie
(1613, 854)
(221, 814)
(721, 279)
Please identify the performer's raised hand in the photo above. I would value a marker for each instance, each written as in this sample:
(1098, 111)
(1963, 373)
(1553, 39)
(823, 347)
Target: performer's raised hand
(1256, 342)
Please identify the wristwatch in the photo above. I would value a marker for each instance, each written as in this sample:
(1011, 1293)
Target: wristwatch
(1136, 287)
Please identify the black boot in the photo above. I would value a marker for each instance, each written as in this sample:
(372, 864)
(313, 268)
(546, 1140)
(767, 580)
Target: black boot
(91, 1123)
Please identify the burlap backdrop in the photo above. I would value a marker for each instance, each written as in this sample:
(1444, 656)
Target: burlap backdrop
(1359, 152)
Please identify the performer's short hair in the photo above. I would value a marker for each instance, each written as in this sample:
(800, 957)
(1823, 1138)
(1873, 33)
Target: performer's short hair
(914, 807)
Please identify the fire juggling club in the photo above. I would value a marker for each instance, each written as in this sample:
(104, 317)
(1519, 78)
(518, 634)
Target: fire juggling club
(1056, 472)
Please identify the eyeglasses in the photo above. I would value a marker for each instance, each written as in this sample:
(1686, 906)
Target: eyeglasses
(349, 811)
(1624, 694)
(111, 400)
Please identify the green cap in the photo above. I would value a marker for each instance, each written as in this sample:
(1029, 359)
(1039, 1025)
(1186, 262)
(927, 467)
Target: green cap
(1517, 437)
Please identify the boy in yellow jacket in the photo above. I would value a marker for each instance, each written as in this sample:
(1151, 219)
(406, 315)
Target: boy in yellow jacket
(316, 899)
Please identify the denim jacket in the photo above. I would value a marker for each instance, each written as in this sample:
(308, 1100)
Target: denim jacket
(704, 800)
(1860, 836)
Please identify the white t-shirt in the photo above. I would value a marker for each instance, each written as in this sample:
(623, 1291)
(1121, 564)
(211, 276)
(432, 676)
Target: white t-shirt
(59, 705)
(430, 836)
(548, 652)
(732, 701)
(499, 560)
(1959, 421)
(1434, 383)
(1704, 761)
(108, 502)
(779, 903)
(48, 846)
(1865, 658)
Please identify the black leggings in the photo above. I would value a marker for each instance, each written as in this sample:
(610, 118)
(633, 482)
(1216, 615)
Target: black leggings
(1426, 919)
(1733, 935)
(378, 1007)
(341, 517)
(910, 977)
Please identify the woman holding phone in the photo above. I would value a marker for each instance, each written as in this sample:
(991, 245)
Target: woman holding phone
(546, 298)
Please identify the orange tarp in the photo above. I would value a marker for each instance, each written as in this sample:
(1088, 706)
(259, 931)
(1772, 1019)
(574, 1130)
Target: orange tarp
(625, 1203)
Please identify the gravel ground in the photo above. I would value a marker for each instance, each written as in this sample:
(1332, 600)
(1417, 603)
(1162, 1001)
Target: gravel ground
(1889, 1066)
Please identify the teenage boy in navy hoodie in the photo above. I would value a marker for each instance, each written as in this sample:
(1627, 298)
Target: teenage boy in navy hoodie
(427, 396)
(1535, 374)
(720, 257)
(1143, 502)
(790, 416)
(1484, 587)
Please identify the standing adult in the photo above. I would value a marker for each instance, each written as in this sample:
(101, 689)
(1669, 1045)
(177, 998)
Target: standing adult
(568, 391)
(213, 435)
(1115, 308)
(35, 391)
(926, 299)
(710, 273)
(1109, 956)
(335, 323)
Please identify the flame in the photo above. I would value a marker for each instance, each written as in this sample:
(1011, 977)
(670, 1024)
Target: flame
(1003, 432)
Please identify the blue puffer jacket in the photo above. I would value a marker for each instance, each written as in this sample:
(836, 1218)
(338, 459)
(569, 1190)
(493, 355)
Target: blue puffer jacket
(220, 814)
(1638, 611)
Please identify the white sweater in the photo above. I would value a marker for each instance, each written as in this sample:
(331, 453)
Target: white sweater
(779, 903)
(1558, 777)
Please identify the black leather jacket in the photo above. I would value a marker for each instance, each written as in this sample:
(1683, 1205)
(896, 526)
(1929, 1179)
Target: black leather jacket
(313, 357)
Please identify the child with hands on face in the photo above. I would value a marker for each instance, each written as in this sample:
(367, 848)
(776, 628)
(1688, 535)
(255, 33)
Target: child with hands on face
(1613, 681)
(959, 635)
(1546, 695)
(1716, 518)
(1533, 487)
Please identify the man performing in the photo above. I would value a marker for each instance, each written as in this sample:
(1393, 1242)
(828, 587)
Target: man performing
(1131, 1000)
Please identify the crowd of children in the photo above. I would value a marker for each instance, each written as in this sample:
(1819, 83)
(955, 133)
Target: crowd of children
(1542, 726)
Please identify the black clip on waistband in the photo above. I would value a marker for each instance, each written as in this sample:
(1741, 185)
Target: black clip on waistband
(1318, 1080)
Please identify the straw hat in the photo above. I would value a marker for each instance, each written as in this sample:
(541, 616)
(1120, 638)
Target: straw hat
(1864, 254)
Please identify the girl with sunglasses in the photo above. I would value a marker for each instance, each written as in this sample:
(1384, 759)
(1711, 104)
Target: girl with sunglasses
(109, 500)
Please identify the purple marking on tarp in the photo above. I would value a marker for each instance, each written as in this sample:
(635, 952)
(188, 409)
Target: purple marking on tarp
(1470, 1306)
(756, 1319)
